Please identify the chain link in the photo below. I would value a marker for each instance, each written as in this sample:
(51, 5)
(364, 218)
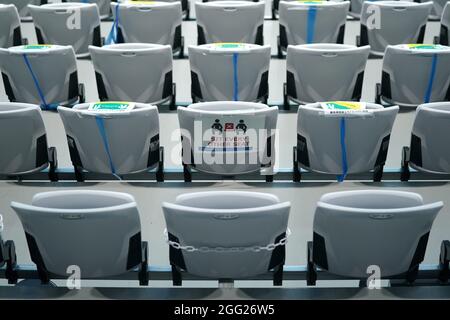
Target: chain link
(269, 247)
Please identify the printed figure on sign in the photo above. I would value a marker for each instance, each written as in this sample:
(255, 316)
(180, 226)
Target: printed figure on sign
(241, 126)
(217, 126)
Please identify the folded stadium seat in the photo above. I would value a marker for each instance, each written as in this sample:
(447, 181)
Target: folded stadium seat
(445, 26)
(436, 11)
(216, 215)
(147, 22)
(230, 21)
(342, 138)
(383, 31)
(428, 81)
(185, 6)
(10, 34)
(41, 74)
(104, 6)
(98, 142)
(22, 7)
(354, 230)
(311, 22)
(74, 24)
(309, 79)
(237, 138)
(134, 72)
(97, 231)
(229, 71)
(356, 7)
(23, 141)
(428, 150)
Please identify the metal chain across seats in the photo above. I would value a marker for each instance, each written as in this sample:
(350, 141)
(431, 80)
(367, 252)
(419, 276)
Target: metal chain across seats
(269, 247)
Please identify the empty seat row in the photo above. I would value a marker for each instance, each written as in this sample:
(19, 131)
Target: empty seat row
(47, 74)
(211, 235)
(222, 138)
(228, 21)
(104, 6)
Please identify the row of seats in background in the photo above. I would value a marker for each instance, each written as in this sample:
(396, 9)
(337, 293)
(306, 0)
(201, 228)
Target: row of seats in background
(326, 143)
(353, 232)
(47, 74)
(105, 12)
(398, 22)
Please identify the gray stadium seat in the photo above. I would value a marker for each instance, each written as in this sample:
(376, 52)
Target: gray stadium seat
(154, 22)
(23, 141)
(10, 34)
(400, 22)
(436, 11)
(207, 219)
(445, 26)
(98, 142)
(356, 7)
(230, 21)
(104, 6)
(238, 137)
(308, 72)
(97, 231)
(45, 75)
(137, 72)
(311, 22)
(428, 150)
(22, 7)
(185, 5)
(354, 230)
(342, 139)
(428, 81)
(229, 71)
(59, 23)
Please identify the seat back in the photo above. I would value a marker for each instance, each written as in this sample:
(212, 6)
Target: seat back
(98, 231)
(226, 219)
(10, 34)
(133, 72)
(356, 7)
(22, 7)
(357, 229)
(229, 71)
(154, 22)
(98, 142)
(70, 23)
(308, 72)
(228, 138)
(445, 26)
(366, 136)
(428, 81)
(51, 68)
(312, 22)
(428, 148)
(399, 22)
(23, 141)
(104, 6)
(438, 7)
(230, 21)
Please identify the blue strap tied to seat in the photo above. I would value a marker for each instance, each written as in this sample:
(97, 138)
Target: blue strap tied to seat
(341, 178)
(235, 77)
(311, 22)
(101, 128)
(44, 104)
(431, 78)
(112, 36)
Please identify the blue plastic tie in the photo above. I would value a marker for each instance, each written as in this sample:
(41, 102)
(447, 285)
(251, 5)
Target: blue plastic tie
(312, 13)
(341, 177)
